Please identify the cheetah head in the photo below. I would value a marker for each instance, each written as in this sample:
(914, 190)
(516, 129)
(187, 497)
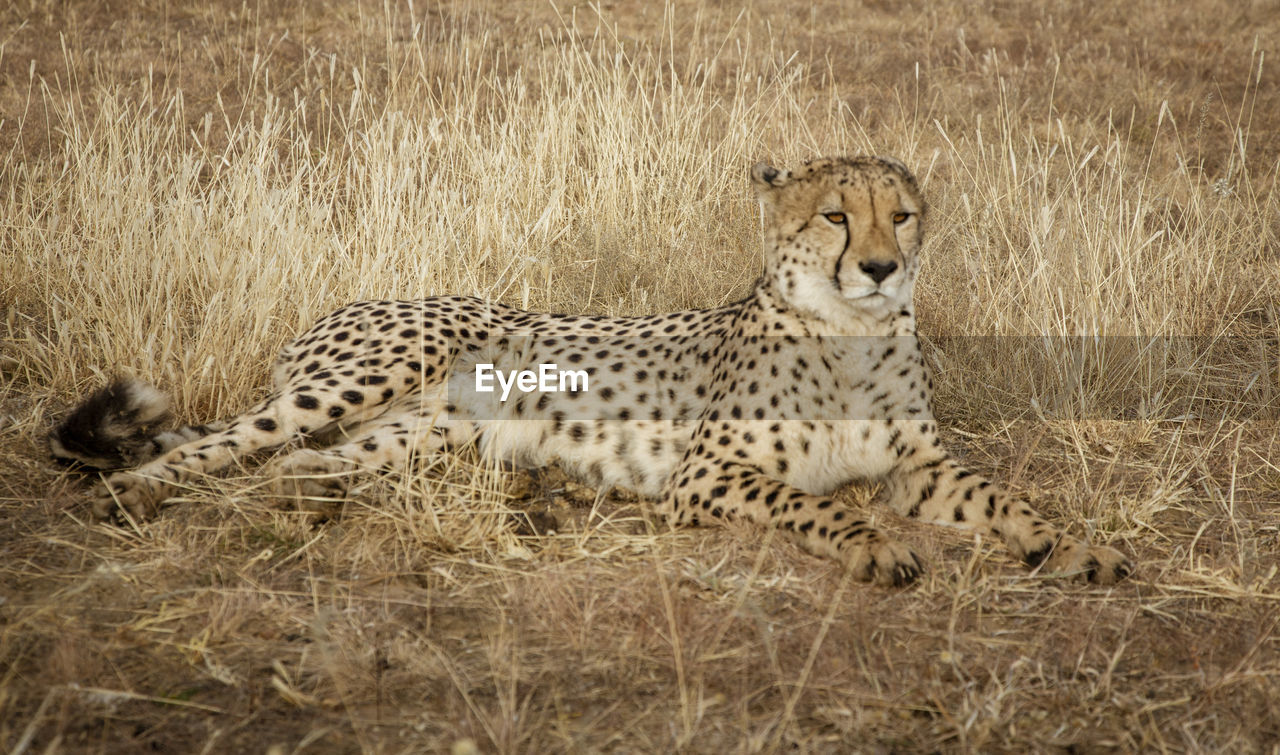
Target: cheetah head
(842, 235)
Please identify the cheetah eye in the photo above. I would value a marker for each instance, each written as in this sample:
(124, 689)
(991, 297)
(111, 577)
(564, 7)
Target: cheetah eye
(900, 217)
(835, 217)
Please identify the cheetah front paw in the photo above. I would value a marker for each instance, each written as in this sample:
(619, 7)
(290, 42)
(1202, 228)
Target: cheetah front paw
(1099, 564)
(886, 562)
(1106, 566)
(126, 493)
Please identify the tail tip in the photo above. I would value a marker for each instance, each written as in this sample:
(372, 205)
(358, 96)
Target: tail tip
(111, 426)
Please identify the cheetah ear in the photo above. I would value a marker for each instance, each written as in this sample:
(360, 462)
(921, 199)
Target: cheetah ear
(898, 165)
(767, 178)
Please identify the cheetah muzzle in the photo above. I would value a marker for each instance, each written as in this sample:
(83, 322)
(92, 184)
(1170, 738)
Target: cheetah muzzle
(756, 410)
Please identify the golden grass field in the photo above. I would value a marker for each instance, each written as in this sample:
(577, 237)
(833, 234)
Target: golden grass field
(185, 187)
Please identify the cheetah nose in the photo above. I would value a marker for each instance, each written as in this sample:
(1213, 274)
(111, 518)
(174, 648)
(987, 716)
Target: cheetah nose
(878, 271)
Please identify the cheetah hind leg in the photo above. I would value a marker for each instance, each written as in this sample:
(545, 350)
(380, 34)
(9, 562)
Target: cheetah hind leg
(138, 493)
(318, 480)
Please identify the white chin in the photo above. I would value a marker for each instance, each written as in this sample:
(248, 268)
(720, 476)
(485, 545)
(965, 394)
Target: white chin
(819, 294)
(860, 293)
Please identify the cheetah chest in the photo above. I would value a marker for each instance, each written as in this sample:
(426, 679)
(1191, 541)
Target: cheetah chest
(819, 413)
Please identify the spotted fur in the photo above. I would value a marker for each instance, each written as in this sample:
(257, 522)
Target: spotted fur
(757, 410)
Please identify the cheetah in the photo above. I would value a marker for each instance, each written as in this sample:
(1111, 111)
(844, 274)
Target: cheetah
(758, 410)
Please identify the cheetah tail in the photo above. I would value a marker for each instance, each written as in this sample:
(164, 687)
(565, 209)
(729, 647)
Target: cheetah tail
(114, 428)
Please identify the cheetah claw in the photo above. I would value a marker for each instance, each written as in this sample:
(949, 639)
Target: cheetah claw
(889, 564)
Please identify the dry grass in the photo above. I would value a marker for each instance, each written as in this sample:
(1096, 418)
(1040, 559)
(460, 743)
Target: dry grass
(185, 187)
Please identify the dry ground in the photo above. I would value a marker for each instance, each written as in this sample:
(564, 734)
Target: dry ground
(185, 186)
